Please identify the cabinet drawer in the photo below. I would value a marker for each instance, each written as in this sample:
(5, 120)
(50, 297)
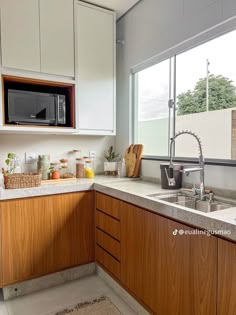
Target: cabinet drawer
(108, 243)
(108, 224)
(110, 263)
(108, 205)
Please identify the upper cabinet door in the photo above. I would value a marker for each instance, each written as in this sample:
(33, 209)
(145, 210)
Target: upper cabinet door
(20, 34)
(95, 59)
(57, 37)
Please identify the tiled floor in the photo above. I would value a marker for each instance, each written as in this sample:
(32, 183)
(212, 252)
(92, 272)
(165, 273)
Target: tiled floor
(51, 300)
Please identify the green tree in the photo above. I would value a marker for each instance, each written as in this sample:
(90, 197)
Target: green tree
(222, 94)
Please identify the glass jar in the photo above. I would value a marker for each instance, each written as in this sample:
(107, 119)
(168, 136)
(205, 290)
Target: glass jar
(79, 168)
(64, 168)
(55, 170)
(89, 169)
(76, 154)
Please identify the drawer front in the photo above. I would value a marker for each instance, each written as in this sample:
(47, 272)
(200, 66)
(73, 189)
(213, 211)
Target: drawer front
(108, 205)
(110, 263)
(108, 224)
(108, 243)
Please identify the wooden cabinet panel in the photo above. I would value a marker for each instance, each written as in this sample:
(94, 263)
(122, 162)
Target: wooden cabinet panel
(108, 224)
(171, 274)
(226, 278)
(95, 60)
(46, 234)
(20, 34)
(139, 252)
(111, 245)
(109, 262)
(57, 37)
(108, 205)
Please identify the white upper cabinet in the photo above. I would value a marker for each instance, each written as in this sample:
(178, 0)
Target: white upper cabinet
(57, 37)
(95, 69)
(20, 34)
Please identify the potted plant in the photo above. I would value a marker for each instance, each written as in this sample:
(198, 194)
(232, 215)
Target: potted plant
(10, 162)
(110, 166)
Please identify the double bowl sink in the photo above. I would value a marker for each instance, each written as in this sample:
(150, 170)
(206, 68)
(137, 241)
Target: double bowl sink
(192, 202)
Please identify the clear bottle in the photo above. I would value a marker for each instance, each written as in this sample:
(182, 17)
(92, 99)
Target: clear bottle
(121, 168)
(17, 166)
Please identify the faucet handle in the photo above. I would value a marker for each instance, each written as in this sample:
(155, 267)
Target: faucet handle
(211, 196)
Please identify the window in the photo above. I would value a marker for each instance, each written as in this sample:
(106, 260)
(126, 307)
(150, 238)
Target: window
(153, 92)
(202, 82)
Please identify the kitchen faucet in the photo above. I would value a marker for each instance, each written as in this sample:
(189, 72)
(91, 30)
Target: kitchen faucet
(171, 180)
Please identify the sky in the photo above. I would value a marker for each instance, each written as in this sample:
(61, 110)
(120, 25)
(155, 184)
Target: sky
(153, 92)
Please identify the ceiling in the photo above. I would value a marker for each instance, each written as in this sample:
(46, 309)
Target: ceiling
(120, 6)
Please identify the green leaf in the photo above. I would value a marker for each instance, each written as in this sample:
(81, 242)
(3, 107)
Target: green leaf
(7, 161)
(11, 155)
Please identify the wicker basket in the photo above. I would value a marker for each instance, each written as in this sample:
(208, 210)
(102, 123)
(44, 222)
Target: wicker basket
(22, 180)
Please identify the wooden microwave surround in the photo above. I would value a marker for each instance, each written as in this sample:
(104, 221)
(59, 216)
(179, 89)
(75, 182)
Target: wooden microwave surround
(70, 87)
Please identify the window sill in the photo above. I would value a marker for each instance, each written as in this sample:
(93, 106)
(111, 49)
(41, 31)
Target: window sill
(217, 162)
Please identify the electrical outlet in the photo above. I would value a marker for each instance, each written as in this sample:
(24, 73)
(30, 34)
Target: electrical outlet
(30, 157)
(92, 154)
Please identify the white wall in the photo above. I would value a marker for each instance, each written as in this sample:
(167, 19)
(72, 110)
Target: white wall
(56, 146)
(214, 129)
(151, 28)
(215, 177)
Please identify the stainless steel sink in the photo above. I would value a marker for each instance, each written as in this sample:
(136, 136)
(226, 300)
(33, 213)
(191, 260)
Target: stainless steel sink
(204, 206)
(188, 201)
(174, 197)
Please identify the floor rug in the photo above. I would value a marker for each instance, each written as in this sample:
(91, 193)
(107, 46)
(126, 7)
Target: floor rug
(100, 306)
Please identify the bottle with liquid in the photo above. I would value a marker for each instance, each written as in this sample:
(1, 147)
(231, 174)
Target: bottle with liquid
(122, 169)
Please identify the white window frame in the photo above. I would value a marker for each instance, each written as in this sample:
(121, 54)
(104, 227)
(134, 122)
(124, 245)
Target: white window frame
(201, 38)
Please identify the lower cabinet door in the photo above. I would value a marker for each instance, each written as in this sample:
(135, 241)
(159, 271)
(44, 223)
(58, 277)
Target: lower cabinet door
(226, 278)
(169, 272)
(46, 234)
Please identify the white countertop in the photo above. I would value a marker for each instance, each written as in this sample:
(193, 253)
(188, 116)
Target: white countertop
(136, 191)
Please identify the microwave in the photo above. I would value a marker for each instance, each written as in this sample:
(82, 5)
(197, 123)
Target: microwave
(35, 108)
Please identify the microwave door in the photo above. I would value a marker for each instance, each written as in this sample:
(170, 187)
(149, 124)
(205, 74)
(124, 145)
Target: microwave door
(46, 109)
(25, 107)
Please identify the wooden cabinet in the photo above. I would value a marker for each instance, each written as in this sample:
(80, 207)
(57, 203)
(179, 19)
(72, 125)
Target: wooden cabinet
(57, 37)
(226, 278)
(171, 274)
(45, 234)
(20, 34)
(95, 66)
(108, 247)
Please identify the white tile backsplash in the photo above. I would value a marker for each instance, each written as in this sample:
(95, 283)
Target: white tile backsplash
(58, 146)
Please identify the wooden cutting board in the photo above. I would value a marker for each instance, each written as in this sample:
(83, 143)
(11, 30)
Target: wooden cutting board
(133, 157)
(56, 181)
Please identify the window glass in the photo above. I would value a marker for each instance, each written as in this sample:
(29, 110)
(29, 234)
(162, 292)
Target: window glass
(206, 98)
(204, 84)
(152, 86)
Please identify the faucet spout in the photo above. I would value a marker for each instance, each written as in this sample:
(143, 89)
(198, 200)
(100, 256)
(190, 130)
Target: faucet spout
(190, 170)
